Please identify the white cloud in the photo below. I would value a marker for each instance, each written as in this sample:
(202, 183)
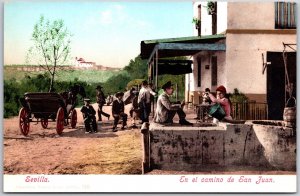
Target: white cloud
(106, 17)
(116, 15)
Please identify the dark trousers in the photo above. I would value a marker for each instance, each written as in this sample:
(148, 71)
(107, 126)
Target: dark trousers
(171, 114)
(145, 109)
(117, 118)
(87, 123)
(100, 112)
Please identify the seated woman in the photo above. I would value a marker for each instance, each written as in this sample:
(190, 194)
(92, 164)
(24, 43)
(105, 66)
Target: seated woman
(223, 101)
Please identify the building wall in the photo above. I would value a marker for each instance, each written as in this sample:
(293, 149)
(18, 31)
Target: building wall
(250, 32)
(244, 62)
(251, 15)
(192, 78)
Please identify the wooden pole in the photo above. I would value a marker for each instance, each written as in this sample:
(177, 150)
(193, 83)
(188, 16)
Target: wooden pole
(156, 62)
(146, 148)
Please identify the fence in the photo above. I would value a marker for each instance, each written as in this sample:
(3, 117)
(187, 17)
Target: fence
(250, 111)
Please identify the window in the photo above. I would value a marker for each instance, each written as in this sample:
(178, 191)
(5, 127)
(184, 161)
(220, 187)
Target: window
(285, 15)
(199, 71)
(214, 71)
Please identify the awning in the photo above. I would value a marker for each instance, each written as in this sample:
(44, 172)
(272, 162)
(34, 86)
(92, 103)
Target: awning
(155, 50)
(173, 67)
(182, 46)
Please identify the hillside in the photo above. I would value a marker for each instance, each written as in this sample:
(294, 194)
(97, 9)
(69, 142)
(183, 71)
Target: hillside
(87, 75)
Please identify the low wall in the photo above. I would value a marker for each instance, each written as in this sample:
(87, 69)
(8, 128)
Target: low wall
(228, 146)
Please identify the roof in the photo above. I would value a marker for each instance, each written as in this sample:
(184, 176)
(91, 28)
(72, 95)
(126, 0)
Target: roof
(147, 46)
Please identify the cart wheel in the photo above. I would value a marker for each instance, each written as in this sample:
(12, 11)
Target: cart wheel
(60, 120)
(24, 123)
(44, 122)
(73, 118)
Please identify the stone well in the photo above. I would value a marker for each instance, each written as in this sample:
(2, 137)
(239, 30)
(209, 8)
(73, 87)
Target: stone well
(208, 147)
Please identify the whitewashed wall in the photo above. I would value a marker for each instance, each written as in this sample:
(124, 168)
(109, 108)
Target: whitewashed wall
(244, 59)
(241, 65)
(254, 15)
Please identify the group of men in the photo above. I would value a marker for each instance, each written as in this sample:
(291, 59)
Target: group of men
(141, 108)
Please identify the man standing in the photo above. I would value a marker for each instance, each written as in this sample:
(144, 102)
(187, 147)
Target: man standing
(118, 111)
(89, 117)
(144, 101)
(101, 101)
(165, 110)
(134, 110)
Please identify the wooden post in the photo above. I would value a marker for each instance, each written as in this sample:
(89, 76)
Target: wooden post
(146, 167)
(156, 62)
(176, 92)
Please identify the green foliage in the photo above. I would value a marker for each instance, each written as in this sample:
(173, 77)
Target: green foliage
(133, 83)
(210, 5)
(51, 46)
(238, 97)
(11, 98)
(196, 21)
(117, 83)
(14, 90)
(175, 79)
(89, 76)
(137, 68)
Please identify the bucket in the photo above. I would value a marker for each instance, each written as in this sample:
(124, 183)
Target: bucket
(289, 114)
(217, 111)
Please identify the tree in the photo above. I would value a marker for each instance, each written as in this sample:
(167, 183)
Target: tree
(51, 46)
(137, 68)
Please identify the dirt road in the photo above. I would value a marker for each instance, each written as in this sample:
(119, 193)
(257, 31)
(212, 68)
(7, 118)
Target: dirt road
(74, 152)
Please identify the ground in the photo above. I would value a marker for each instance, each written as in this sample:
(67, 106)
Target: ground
(74, 152)
(77, 152)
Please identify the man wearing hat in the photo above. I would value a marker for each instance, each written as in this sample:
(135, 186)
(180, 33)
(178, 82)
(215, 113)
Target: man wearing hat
(165, 110)
(134, 110)
(101, 101)
(144, 102)
(89, 117)
(118, 111)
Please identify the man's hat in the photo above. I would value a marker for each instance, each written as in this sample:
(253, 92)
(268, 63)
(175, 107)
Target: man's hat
(167, 85)
(145, 82)
(119, 94)
(87, 99)
(98, 87)
(221, 89)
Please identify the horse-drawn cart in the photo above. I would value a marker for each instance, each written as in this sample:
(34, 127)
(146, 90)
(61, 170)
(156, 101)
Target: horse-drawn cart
(45, 106)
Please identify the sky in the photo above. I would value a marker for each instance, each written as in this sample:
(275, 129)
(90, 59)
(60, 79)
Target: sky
(108, 33)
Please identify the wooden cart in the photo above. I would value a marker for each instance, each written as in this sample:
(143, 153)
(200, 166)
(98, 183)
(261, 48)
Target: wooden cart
(40, 107)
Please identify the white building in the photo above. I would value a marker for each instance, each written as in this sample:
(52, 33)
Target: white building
(81, 63)
(254, 36)
(239, 46)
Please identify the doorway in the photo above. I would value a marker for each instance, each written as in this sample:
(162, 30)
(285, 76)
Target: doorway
(276, 95)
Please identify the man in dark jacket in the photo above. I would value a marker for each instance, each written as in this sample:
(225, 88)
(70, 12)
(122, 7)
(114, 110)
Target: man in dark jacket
(89, 117)
(118, 111)
(101, 101)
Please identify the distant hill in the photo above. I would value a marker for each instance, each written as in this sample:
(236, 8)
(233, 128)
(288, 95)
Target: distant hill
(99, 74)
(33, 68)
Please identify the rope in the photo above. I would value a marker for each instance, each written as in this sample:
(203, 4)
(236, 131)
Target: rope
(289, 87)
